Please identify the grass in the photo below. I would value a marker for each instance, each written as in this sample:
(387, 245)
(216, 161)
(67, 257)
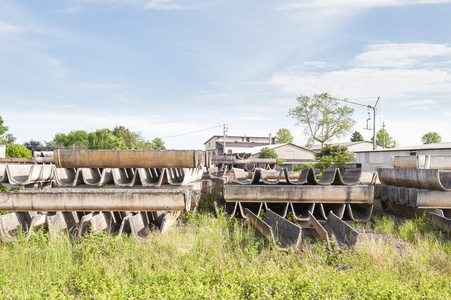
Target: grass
(217, 258)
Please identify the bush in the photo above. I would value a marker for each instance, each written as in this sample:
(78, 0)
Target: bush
(16, 150)
(268, 153)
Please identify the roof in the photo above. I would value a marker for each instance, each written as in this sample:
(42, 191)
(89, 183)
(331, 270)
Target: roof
(346, 144)
(437, 146)
(255, 150)
(241, 144)
(240, 136)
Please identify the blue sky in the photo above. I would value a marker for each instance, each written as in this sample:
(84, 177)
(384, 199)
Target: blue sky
(168, 67)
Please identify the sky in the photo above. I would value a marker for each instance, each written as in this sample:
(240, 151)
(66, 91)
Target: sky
(180, 69)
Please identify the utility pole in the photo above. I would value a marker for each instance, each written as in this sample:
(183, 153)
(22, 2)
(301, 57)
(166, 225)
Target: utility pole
(224, 130)
(367, 106)
(383, 130)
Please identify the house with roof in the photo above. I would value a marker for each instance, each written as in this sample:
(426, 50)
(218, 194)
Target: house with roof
(236, 144)
(352, 146)
(291, 153)
(372, 160)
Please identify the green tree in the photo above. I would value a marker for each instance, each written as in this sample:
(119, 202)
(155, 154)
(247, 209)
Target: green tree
(16, 150)
(356, 136)
(389, 141)
(283, 136)
(322, 118)
(431, 138)
(51, 145)
(267, 152)
(105, 139)
(133, 140)
(333, 156)
(77, 139)
(158, 144)
(5, 138)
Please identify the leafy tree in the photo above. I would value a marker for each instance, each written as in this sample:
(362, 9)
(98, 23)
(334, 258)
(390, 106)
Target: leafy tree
(5, 138)
(16, 150)
(51, 145)
(266, 152)
(331, 156)
(431, 138)
(77, 139)
(133, 140)
(389, 141)
(33, 145)
(105, 139)
(283, 136)
(158, 144)
(356, 137)
(322, 118)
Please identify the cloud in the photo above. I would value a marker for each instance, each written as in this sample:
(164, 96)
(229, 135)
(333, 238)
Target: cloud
(407, 55)
(100, 86)
(389, 70)
(350, 4)
(149, 4)
(6, 28)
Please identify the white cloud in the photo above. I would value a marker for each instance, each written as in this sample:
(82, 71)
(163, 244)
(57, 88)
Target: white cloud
(100, 86)
(6, 28)
(411, 77)
(349, 4)
(162, 5)
(407, 55)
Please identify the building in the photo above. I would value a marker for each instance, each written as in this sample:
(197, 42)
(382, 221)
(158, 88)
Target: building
(291, 154)
(372, 160)
(2, 151)
(236, 144)
(352, 146)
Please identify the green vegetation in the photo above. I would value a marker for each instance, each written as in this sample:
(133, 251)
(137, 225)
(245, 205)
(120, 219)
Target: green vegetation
(16, 150)
(329, 157)
(431, 138)
(283, 136)
(267, 152)
(387, 142)
(219, 258)
(118, 138)
(322, 118)
(356, 136)
(5, 138)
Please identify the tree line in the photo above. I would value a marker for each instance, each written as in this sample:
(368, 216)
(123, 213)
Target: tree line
(118, 138)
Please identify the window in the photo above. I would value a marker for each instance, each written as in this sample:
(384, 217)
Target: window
(247, 139)
(229, 151)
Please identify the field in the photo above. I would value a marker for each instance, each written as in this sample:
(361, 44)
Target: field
(209, 257)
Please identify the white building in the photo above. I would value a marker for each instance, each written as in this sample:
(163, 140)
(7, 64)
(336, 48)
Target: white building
(292, 154)
(352, 146)
(236, 144)
(2, 151)
(372, 160)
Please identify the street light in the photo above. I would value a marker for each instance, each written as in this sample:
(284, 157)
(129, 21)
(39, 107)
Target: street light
(367, 106)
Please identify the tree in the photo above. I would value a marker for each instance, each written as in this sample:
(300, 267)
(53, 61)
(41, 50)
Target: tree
(16, 150)
(322, 118)
(389, 141)
(158, 144)
(33, 145)
(268, 153)
(51, 145)
(77, 139)
(283, 136)
(5, 138)
(431, 138)
(133, 140)
(105, 139)
(331, 156)
(356, 137)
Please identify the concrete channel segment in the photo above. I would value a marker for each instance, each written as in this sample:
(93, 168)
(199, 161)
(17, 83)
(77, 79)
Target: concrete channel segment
(296, 193)
(24, 174)
(440, 222)
(130, 158)
(417, 198)
(279, 231)
(431, 179)
(62, 199)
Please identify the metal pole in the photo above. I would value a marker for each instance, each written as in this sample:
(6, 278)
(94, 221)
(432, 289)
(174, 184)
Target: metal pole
(224, 137)
(374, 126)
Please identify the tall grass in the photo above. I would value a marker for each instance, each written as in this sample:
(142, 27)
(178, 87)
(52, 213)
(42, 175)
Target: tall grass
(210, 257)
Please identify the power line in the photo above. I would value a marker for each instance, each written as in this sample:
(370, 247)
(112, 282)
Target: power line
(167, 137)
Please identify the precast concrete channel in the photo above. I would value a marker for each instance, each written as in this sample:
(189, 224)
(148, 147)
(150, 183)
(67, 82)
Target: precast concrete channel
(135, 191)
